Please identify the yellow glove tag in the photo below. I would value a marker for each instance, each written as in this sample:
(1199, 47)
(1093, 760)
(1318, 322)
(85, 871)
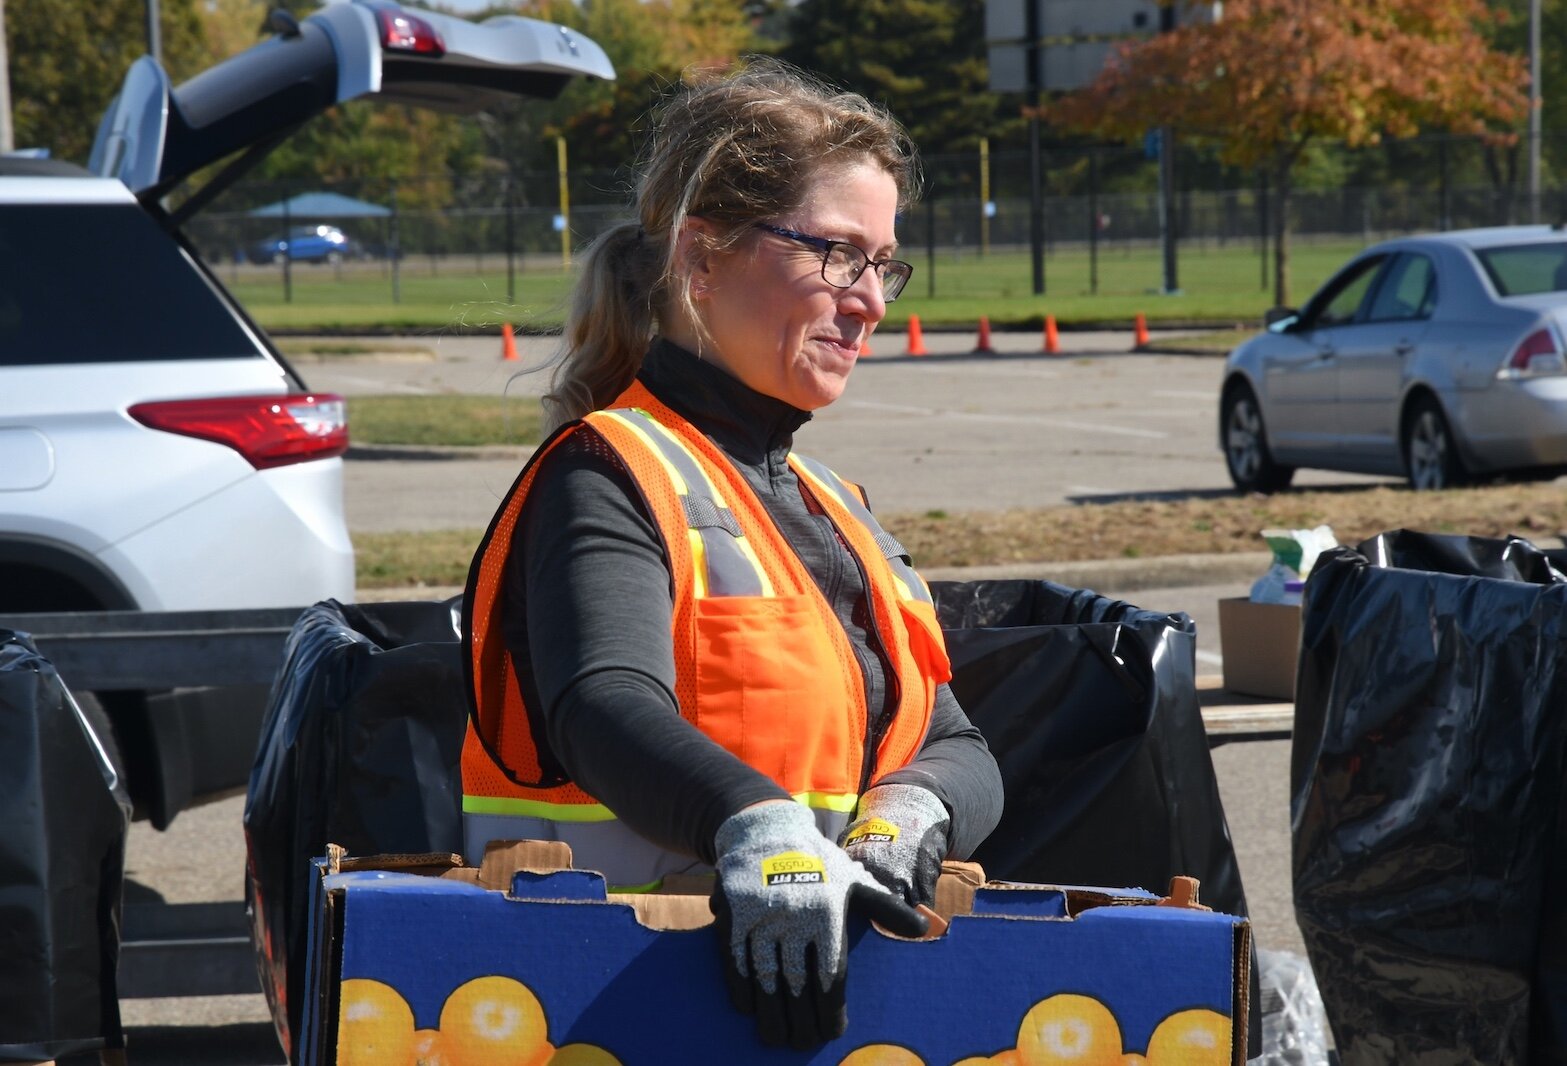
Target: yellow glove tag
(793, 868)
(875, 831)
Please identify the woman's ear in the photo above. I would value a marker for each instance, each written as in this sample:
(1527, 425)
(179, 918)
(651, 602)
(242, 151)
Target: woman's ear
(694, 254)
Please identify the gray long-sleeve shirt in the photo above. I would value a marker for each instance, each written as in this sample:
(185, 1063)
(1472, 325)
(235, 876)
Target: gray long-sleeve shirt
(587, 620)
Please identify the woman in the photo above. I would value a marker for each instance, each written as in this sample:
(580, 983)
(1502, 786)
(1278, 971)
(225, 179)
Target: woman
(689, 647)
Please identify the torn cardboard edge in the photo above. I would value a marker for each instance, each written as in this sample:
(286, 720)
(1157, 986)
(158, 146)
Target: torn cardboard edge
(682, 900)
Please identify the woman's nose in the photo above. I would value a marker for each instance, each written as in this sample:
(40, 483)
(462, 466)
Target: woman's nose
(866, 293)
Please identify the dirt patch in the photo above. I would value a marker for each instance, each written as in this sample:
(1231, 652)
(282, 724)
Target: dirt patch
(1229, 523)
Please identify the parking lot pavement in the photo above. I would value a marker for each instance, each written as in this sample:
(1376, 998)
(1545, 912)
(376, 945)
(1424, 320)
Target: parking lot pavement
(1022, 430)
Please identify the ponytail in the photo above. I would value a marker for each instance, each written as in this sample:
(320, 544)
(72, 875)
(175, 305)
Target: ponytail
(608, 325)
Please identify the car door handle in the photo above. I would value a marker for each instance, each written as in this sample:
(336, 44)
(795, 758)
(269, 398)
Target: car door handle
(1403, 347)
(1326, 352)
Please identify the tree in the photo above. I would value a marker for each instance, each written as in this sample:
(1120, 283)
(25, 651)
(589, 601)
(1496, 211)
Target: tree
(1273, 76)
(653, 44)
(924, 60)
(68, 58)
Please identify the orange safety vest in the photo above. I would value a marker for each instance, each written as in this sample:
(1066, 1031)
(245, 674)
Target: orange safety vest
(762, 665)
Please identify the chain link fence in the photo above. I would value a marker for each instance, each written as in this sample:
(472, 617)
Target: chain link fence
(497, 223)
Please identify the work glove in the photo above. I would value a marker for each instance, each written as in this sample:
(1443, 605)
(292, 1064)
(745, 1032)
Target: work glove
(783, 894)
(900, 836)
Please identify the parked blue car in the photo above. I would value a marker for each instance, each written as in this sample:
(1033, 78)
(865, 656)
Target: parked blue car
(307, 244)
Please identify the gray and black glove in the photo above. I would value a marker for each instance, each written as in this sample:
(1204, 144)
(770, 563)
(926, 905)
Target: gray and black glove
(900, 836)
(783, 894)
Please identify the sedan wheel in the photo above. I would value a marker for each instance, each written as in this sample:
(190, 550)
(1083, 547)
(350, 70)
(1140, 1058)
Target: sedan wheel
(1251, 465)
(1430, 453)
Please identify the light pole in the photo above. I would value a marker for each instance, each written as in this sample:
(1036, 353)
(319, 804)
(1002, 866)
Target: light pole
(154, 35)
(1535, 102)
(7, 138)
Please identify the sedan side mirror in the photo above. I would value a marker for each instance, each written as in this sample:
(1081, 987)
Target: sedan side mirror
(1280, 319)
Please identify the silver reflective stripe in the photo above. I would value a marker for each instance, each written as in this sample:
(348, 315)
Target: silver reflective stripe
(729, 570)
(626, 860)
(896, 556)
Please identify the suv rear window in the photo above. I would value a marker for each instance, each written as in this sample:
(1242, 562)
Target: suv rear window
(1525, 269)
(101, 283)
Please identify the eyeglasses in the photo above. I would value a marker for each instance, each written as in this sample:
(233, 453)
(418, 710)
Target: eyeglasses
(843, 263)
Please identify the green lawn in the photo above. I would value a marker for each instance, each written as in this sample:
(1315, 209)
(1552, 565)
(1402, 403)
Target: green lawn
(1218, 285)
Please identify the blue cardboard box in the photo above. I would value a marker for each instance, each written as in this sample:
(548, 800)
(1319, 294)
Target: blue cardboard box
(416, 961)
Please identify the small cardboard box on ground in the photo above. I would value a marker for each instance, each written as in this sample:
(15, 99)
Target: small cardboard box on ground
(1261, 647)
(521, 962)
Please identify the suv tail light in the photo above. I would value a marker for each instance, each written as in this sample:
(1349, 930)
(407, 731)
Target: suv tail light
(267, 430)
(402, 32)
(1536, 354)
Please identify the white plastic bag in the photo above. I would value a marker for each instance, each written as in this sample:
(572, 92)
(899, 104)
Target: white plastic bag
(1294, 1024)
(1294, 552)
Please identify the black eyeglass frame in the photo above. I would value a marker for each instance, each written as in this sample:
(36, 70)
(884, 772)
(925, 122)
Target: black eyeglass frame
(825, 246)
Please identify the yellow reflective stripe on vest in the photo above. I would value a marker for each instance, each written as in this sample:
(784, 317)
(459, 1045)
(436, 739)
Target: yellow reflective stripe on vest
(910, 585)
(596, 812)
(723, 561)
(526, 808)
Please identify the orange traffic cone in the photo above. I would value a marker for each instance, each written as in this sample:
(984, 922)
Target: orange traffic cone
(865, 345)
(508, 344)
(1052, 338)
(983, 346)
(916, 337)
(1140, 324)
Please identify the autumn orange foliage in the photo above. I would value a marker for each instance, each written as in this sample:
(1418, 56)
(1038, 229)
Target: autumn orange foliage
(1270, 76)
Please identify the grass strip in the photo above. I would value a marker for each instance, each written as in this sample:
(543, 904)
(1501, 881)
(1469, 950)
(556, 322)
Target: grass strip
(951, 288)
(1124, 529)
(444, 420)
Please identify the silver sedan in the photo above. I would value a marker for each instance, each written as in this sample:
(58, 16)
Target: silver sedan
(1439, 358)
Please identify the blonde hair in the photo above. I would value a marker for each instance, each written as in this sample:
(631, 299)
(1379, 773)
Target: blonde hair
(733, 151)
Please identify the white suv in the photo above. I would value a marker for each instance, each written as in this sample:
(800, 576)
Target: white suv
(156, 452)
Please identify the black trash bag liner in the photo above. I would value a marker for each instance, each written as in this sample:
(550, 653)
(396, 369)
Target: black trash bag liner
(65, 815)
(1429, 859)
(1090, 707)
(361, 746)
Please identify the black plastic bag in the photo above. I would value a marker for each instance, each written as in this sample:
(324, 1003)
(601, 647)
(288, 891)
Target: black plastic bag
(65, 815)
(1426, 793)
(361, 746)
(1090, 707)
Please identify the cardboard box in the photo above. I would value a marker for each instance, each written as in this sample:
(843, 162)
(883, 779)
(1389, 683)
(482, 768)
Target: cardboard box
(1261, 647)
(637, 979)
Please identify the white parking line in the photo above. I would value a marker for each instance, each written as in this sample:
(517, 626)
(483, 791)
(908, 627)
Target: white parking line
(1210, 657)
(1014, 420)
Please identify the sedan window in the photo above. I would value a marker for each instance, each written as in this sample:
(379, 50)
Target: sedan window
(1407, 290)
(1525, 269)
(1337, 304)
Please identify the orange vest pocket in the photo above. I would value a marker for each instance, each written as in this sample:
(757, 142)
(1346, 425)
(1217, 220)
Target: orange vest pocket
(771, 690)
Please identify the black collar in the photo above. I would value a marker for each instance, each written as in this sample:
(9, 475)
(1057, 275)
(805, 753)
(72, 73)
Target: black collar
(750, 427)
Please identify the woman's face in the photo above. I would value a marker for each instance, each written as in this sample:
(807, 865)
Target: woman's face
(772, 320)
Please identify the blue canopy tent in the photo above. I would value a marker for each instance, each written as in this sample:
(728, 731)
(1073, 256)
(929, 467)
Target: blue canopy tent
(321, 205)
(330, 205)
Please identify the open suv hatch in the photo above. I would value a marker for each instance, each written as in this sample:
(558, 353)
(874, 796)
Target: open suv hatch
(156, 452)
